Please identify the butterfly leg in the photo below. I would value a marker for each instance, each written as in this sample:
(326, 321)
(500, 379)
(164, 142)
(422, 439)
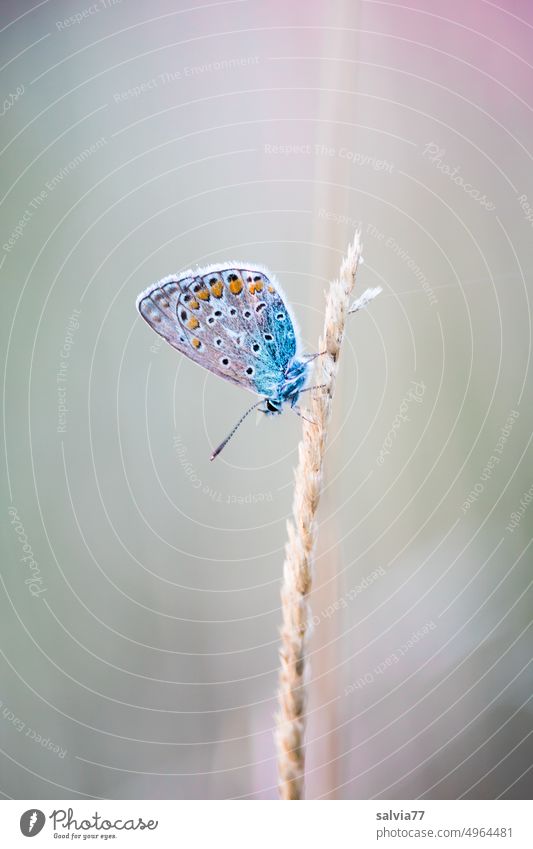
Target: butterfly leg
(311, 357)
(310, 388)
(299, 413)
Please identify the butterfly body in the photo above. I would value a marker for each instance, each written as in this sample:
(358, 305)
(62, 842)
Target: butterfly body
(289, 388)
(233, 320)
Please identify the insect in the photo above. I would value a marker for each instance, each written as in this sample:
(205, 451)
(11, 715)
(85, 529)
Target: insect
(233, 320)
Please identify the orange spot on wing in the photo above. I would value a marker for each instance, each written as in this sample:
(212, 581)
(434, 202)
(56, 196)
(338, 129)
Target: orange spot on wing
(217, 289)
(255, 287)
(203, 294)
(271, 290)
(235, 286)
(193, 323)
(196, 343)
(194, 305)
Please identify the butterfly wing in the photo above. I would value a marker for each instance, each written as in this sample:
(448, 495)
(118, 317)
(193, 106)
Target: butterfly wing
(232, 320)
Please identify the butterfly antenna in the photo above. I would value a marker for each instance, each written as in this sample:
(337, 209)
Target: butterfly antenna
(223, 444)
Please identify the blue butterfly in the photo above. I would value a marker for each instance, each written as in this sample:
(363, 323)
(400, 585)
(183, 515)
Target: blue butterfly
(233, 320)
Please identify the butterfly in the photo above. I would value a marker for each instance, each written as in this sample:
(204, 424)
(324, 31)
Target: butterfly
(233, 320)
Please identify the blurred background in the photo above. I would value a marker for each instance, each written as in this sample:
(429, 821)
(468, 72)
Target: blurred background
(140, 582)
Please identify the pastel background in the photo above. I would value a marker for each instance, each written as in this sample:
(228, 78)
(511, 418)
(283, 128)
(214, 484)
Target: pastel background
(139, 637)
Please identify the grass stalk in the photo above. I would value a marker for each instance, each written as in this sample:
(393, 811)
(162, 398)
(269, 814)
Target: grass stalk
(302, 532)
